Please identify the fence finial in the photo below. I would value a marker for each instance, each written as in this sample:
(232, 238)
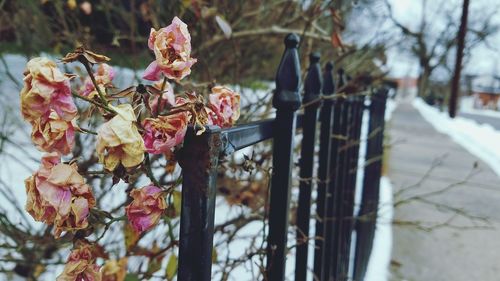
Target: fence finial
(287, 94)
(312, 85)
(328, 83)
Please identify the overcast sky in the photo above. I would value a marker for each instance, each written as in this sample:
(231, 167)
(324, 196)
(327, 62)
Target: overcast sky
(483, 59)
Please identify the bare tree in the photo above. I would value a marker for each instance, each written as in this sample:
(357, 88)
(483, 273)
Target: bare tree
(435, 37)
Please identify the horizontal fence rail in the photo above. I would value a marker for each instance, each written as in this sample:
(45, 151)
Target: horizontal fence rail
(328, 177)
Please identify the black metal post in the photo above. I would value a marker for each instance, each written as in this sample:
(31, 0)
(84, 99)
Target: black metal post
(352, 147)
(333, 184)
(365, 227)
(286, 100)
(199, 160)
(340, 188)
(312, 88)
(323, 167)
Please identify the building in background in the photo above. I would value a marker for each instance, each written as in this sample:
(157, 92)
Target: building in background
(486, 92)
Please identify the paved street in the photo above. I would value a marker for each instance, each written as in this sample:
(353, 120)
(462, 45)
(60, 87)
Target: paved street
(441, 236)
(482, 119)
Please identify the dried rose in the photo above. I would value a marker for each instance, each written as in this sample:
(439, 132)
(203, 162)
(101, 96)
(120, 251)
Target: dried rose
(46, 89)
(172, 48)
(58, 195)
(161, 134)
(53, 134)
(119, 141)
(224, 105)
(81, 264)
(146, 209)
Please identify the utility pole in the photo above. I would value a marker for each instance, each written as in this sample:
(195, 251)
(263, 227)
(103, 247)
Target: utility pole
(455, 83)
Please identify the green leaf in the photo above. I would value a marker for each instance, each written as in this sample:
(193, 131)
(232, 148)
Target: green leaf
(154, 265)
(214, 255)
(131, 277)
(177, 201)
(171, 267)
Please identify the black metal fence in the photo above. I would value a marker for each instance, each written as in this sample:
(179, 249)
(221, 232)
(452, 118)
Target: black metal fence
(340, 122)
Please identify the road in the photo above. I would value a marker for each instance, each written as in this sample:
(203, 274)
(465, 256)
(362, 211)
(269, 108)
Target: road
(493, 121)
(447, 218)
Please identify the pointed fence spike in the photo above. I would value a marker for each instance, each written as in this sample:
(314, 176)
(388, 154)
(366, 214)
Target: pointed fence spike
(312, 84)
(287, 94)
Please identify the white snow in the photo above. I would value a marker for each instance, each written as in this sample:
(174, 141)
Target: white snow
(480, 140)
(380, 258)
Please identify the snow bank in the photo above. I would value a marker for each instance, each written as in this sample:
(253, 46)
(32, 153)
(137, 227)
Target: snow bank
(480, 140)
(380, 258)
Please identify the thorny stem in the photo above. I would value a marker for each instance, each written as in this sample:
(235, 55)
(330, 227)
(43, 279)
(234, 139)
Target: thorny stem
(91, 75)
(108, 225)
(149, 172)
(87, 131)
(163, 84)
(105, 107)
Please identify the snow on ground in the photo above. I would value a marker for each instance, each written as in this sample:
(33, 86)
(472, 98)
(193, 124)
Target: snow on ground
(380, 258)
(479, 139)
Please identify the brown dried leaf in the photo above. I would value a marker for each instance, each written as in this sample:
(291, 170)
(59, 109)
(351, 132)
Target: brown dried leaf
(81, 54)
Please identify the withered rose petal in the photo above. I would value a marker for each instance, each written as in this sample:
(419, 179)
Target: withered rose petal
(58, 195)
(163, 133)
(46, 89)
(81, 264)
(172, 48)
(224, 109)
(119, 141)
(146, 208)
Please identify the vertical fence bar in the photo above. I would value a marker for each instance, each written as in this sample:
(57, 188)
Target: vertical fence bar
(332, 188)
(340, 188)
(365, 227)
(348, 213)
(312, 88)
(199, 160)
(333, 185)
(286, 100)
(323, 167)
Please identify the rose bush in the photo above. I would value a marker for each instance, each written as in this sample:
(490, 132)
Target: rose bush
(135, 122)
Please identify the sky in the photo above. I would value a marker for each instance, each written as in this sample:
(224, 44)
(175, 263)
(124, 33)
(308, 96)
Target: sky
(483, 61)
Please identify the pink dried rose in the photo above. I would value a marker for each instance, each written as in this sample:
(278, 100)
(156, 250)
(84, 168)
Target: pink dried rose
(51, 133)
(161, 134)
(46, 89)
(164, 99)
(58, 195)
(118, 140)
(172, 48)
(224, 107)
(146, 208)
(81, 264)
(104, 78)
